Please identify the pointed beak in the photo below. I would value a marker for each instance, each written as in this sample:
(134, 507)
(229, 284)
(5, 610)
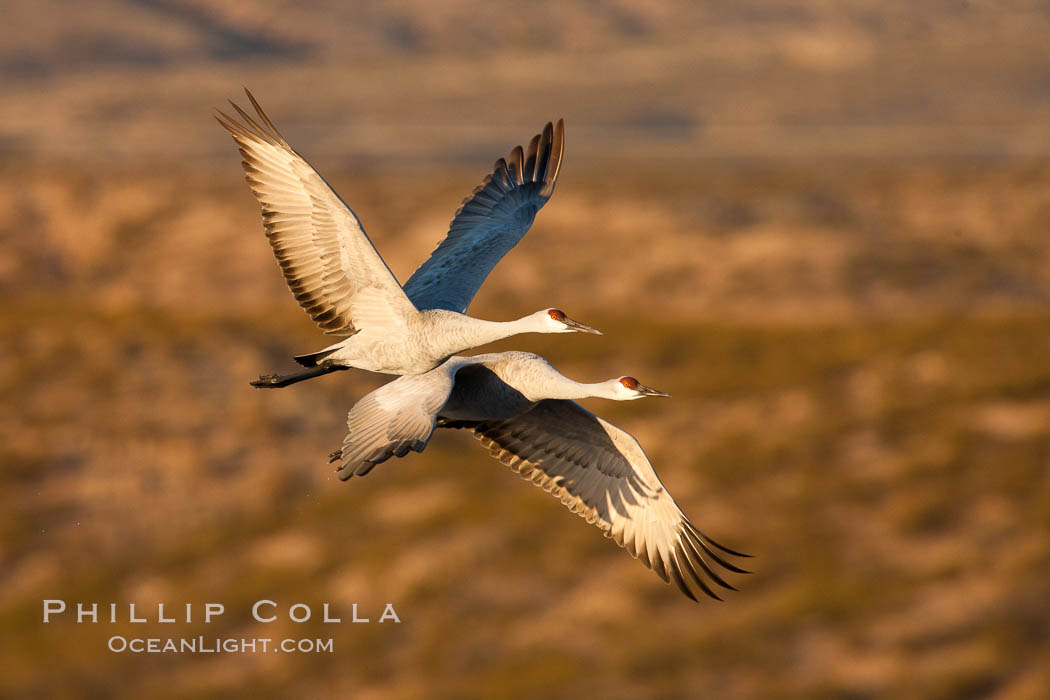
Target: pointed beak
(579, 327)
(649, 391)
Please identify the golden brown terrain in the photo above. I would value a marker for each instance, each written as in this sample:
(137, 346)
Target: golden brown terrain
(824, 231)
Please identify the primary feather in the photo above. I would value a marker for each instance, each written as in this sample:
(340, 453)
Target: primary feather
(496, 215)
(328, 261)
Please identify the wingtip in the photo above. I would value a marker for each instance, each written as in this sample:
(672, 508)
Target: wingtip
(728, 550)
(250, 96)
(225, 120)
(717, 545)
(255, 102)
(557, 151)
(688, 593)
(559, 132)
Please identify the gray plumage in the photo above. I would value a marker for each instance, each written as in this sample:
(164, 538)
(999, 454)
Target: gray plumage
(521, 408)
(491, 221)
(341, 281)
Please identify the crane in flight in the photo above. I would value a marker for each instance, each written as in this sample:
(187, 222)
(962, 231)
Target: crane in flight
(338, 277)
(522, 409)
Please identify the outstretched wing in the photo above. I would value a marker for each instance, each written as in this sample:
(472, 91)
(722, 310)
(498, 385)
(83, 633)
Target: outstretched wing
(331, 266)
(393, 419)
(491, 221)
(601, 473)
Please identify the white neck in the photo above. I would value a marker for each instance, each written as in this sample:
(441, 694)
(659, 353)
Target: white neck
(474, 332)
(566, 388)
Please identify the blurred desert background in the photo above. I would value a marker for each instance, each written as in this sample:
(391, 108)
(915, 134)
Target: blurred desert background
(821, 226)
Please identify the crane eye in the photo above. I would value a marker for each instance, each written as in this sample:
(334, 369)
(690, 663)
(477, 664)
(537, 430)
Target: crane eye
(556, 314)
(629, 382)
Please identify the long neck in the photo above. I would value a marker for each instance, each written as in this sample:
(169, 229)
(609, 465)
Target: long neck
(566, 388)
(538, 380)
(473, 332)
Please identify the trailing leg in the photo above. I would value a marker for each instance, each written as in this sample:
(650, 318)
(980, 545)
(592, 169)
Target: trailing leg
(276, 381)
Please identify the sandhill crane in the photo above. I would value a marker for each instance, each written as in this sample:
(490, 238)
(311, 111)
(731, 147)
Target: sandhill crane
(339, 278)
(521, 408)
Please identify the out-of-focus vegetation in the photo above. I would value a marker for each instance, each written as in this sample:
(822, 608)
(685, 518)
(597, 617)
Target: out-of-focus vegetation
(857, 347)
(888, 470)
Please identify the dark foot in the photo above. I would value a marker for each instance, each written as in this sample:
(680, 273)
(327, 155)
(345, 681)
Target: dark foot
(266, 381)
(270, 381)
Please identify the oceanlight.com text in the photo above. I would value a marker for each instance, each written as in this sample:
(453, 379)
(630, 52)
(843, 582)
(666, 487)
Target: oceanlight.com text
(218, 645)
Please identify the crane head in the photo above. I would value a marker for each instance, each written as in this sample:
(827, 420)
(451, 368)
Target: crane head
(630, 388)
(555, 321)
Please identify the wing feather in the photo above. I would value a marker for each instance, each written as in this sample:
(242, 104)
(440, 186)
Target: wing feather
(601, 473)
(491, 221)
(395, 418)
(324, 253)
